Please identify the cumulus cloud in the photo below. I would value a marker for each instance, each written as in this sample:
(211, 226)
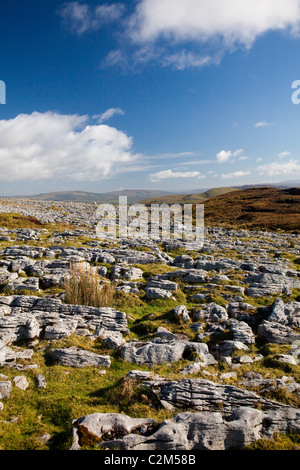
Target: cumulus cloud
(81, 18)
(182, 34)
(233, 21)
(284, 154)
(224, 156)
(167, 174)
(235, 174)
(108, 114)
(291, 167)
(45, 146)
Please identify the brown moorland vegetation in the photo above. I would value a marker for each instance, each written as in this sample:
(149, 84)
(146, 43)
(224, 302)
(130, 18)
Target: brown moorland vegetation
(255, 208)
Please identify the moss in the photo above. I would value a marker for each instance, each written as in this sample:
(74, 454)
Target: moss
(279, 442)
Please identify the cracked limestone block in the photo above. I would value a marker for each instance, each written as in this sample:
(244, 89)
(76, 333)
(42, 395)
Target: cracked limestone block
(61, 329)
(164, 351)
(272, 332)
(5, 389)
(165, 284)
(75, 357)
(112, 339)
(107, 426)
(204, 395)
(158, 351)
(227, 347)
(265, 284)
(242, 332)
(30, 284)
(40, 381)
(287, 314)
(181, 313)
(184, 261)
(211, 312)
(126, 272)
(21, 382)
(156, 293)
(208, 431)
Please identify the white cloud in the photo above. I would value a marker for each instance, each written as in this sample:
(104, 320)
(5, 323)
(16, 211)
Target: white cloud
(45, 146)
(224, 156)
(81, 18)
(167, 174)
(235, 174)
(108, 114)
(182, 33)
(243, 158)
(234, 22)
(195, 162)
(238, 152)
(186, 59)
(292, 167)
(262, 124)
(284, 154)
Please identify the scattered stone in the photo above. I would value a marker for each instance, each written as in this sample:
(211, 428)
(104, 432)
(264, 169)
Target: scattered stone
(75, 357)
(40, 381)
(21, 382)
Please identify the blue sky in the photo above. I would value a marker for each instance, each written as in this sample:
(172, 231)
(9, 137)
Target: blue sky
(152, 94)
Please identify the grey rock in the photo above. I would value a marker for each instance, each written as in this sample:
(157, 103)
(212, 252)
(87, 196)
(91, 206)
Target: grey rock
(210, 431)
(106, 426)
(181, 313)
(112, 339)
(204, 395)
(226, 348)
(184, 261)
(40, 381)
(75, 357)
(272, 332)
(286, 314)
(63, 328)
(242, 332)
(163, 351)
(158, 351)
(21, 382)
(5, 388)
(162, 284)
(212, 312)
(153, 293)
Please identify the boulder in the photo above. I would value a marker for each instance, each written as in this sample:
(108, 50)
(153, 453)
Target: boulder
(75, 357)
(272, 332)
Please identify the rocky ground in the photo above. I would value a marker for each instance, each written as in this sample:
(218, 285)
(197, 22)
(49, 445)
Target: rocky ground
(197, 349)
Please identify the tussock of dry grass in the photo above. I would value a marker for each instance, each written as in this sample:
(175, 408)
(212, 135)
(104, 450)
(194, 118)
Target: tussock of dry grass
(83, 287)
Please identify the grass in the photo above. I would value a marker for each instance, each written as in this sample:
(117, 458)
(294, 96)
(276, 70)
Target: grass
(256, 208)
(83, 287)
(70, 393)
(279, 442)
(12, 221)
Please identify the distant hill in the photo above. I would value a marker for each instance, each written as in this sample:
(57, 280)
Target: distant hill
(255, 208)
(133, 196)
(188, 198)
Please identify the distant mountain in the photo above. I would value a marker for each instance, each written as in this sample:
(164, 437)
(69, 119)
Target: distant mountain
(193, 198)
(281, 185)
(133, 196)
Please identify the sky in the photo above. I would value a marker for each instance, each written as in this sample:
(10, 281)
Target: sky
(168, 95)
